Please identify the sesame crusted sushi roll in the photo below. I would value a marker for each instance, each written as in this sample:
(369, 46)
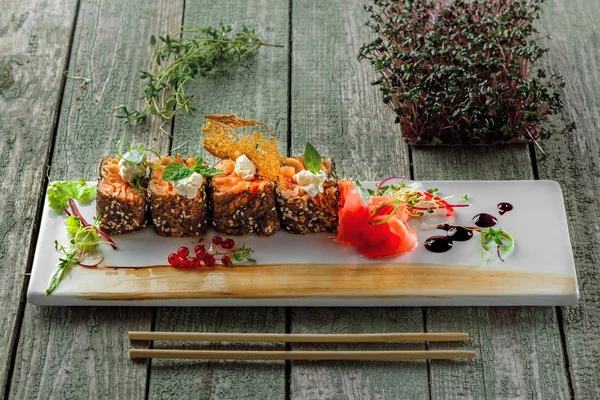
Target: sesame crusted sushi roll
(243, 199)
(120, 197)
(177, 194)
(308, 196)
(120, 204)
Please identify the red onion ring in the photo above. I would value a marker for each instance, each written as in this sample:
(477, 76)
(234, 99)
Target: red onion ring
(391, 178)
(91, 265)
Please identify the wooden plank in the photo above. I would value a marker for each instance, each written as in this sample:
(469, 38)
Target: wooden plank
(34, 43)
(519, 349)
(335, 107)
(573, 162)
(257, 89)
(81, 352)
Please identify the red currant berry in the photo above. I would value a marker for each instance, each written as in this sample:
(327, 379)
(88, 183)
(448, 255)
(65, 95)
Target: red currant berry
(209, 260)
(200, 252)
(228, 244)
(217, 240)
(226, 260)
(183, 251)
(194, 263)
(174, 259)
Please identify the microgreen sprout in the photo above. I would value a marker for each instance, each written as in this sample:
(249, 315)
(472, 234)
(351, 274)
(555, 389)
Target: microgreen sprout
(503, 240)
(83, 79)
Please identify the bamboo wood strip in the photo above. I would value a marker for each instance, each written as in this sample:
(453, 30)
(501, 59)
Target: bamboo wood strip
(301, 338)
(302, 355)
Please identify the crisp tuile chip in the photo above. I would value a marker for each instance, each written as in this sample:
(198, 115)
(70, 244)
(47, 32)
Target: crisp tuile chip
(223, 142)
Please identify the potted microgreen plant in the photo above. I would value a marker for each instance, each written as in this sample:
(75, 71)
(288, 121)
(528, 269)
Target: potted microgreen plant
(463, 71)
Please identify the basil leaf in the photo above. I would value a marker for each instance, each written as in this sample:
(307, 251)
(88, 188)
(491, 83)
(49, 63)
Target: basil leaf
(175, 172)
(134, 156)
(312, 158)
(199, 163)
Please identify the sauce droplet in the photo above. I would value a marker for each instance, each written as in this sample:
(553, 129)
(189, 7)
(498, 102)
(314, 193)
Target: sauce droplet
(504, 207)
(460, 234)
(457, 233)
(484, 220)
(438, 244)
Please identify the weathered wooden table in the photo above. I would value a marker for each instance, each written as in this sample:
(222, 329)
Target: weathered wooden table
(313, 89)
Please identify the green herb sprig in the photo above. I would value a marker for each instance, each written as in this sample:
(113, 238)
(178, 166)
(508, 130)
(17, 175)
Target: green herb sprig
(82, 240)
(503, 240)
(243, 254)
(176, 171)
(179, 57)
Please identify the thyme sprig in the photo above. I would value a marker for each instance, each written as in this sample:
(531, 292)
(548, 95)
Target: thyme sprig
(178, 57)
(243, 254)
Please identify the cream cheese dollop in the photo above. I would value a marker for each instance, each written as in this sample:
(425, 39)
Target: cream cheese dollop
(311, 183)
(188, 187)
(244, 168)
(129, 171)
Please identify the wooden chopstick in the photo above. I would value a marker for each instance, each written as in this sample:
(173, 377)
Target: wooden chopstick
(301, 338)
(302, 355)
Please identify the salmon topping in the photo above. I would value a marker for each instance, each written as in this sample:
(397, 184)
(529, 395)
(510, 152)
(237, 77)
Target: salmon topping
(113, 185)
(232, 182)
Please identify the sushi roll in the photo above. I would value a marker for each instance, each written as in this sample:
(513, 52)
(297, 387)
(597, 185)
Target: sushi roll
(243, 202)
(178, 207)
(243, 198)
(120, 203)
(307, 201)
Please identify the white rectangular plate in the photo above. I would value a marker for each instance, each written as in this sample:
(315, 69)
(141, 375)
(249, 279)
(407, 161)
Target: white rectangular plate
(312, 270)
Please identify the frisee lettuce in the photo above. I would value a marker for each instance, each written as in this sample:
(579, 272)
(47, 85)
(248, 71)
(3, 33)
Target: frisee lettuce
(59, 193)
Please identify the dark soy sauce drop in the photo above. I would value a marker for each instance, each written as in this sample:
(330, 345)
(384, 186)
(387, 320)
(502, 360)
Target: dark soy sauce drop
(438, 244)
(457, 233)
(460, 234)
(504, 207)
(484, 220)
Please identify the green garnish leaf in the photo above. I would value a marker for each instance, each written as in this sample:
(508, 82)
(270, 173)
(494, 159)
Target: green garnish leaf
(209, 172)
(176, 172)
(312, 158)
(85, 193)
(59, 193)
(134, 156)
(73, 225)
(86, 239)
(465, 197)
